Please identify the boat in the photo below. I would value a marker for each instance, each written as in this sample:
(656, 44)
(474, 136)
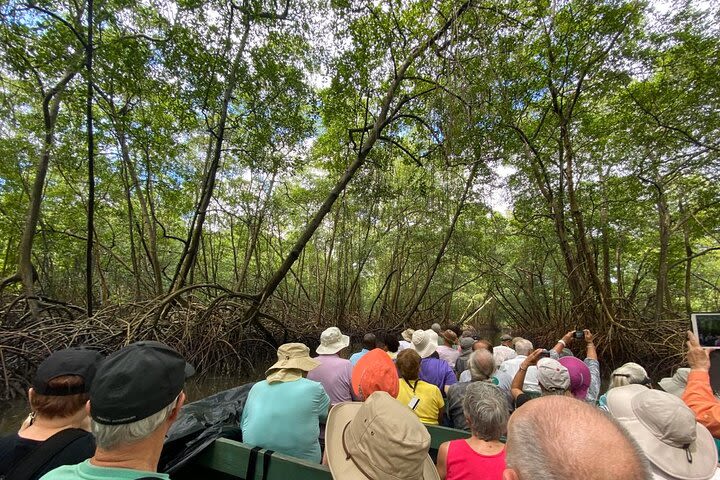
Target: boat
(228, 459)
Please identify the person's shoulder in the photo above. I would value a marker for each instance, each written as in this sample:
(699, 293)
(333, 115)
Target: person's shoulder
(64, 472)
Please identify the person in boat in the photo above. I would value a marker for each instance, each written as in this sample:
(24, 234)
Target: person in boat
(466, 348)
(406, 341)
(629, 373)
(584, 374)
(511, 366)
(448, 350)
(482, 456)
(554, 379)
(482, 369)
(677, 446)
(374, 372)
(283, 412)
(561, 437)
(423, 398)
(432, 369)
(506, 340)
(369, 342)
(698, 394)
(59, 392)
(134, 399)
(437, 330)
(392, 345)
(377, 439)
(677, 383)
(334, 373)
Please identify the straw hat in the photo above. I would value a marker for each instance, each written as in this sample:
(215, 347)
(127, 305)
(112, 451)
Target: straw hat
(332, 341)
(293, 359)
(424, 343)
(677, 383)
(375, 371)
(407, 334)
(666, 430)
(379, 439)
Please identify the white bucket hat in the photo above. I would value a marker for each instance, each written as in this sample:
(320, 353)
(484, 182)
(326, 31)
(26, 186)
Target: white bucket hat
(552, 375)
(666, 430)
(379, 438)
(424, 343)
(332, 341)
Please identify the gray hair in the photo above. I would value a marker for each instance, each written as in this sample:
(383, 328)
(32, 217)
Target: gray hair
(523, 346)
(481, 365)
(108, 437)
(485, 408)
(629, 373)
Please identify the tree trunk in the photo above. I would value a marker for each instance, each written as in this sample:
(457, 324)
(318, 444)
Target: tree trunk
(380, 123)
(443, 247)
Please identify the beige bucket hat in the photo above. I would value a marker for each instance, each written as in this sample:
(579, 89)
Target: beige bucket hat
(677, 383)
(377, 439)
(666, 430)
(293, 359)
(424, 342)
(332, 341)
(407, 334)
(552, 375)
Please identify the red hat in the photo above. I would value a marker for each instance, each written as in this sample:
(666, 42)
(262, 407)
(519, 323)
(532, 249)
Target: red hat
(375, 371)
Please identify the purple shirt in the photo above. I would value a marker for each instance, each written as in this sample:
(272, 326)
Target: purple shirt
(437, 372)
(334, 374)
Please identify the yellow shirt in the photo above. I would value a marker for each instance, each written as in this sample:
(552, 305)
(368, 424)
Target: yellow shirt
(431, 400)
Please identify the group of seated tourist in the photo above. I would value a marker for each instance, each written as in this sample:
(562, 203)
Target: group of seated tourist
(529, 413)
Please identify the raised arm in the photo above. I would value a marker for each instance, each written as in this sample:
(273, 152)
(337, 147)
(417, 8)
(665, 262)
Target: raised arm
(565, 341)
(516, 388)
(698, 394)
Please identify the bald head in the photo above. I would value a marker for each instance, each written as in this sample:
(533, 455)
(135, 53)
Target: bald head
(481, 365)
(561, 437)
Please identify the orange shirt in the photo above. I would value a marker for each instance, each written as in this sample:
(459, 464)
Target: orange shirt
(699, 397)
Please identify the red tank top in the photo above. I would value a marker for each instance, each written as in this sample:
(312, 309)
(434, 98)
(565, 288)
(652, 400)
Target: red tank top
(464, 463)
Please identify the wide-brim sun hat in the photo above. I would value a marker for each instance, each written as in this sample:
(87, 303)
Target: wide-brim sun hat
(579, 376)
(677, 383)
(424, 343)
(375, 371)
(377, 439)
(332, 341)
(293, 359)
(407, 334)
(666, 430)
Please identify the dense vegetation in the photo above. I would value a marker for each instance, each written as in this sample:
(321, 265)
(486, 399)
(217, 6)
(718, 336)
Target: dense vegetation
(266, 168)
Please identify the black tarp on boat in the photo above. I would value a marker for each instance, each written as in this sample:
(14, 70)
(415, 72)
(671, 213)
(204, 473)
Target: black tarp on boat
(200, 423)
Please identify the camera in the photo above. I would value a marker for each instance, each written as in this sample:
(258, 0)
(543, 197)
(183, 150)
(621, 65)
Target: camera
(579, 334)
(545, 354)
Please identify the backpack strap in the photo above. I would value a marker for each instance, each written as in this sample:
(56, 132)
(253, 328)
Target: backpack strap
(252, 463)
(28, 466)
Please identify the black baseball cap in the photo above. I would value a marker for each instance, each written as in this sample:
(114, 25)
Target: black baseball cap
(70, 361)
(137, 381)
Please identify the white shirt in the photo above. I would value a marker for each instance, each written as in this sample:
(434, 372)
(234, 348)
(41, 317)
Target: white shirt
(512, 366)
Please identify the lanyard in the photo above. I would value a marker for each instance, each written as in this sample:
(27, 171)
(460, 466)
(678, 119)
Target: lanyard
(412, 386)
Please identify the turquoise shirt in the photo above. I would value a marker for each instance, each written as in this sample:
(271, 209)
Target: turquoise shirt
(88, 471)
(285, 417)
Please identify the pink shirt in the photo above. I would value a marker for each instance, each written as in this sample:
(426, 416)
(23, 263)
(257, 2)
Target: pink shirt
(334, 373)
(464, 463)
(449, 354)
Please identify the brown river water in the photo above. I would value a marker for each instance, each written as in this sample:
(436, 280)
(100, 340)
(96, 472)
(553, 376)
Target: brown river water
(13, 412)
